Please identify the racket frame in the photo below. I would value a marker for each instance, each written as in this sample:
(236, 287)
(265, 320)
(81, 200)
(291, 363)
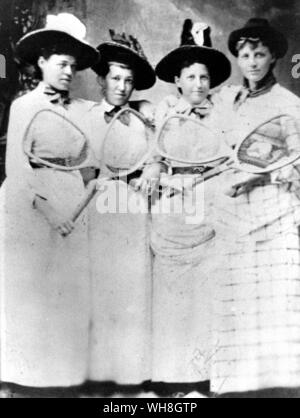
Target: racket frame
(92, 188)
(272, 167)
(47, 164)
(232, 161)
(188, 163)
(139, 165)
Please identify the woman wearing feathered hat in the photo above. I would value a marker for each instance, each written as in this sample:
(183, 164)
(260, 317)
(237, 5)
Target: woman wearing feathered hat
(181, 349)
(44, 275)
(121, 326)
(257, 331)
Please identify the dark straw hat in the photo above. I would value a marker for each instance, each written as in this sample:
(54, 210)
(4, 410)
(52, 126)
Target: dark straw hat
(127, 50)
(261, 29)
(63, 29)
(195, 43)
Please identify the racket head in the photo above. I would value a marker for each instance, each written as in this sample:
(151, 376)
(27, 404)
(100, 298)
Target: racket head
(185, 140)
(126, 148)
(272, 145)
(52, 140)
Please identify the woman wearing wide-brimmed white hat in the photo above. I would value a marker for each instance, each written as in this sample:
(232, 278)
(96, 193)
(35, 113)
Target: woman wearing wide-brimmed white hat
(44, 274)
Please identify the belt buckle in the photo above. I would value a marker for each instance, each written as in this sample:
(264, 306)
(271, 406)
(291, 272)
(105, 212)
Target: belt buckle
(198, 170)
(67, 162)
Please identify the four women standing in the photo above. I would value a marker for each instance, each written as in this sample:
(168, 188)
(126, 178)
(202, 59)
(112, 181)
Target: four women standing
(57, 329)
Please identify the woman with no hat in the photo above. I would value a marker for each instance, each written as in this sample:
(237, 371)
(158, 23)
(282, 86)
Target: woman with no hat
(182, 242)
(44, 276)
(119, 239)
(257, 313)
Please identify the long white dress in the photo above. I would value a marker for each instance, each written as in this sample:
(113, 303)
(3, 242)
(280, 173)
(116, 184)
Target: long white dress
(120, 346)
(183, 244)
(257, 316)
(45, 287)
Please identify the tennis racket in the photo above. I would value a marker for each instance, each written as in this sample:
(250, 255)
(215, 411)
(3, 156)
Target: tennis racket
(188, 142)
(128, 144)
(271, 146)
(70, 147)
(185, 142)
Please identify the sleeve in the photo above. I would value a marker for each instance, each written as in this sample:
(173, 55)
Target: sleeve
(18, 169)
(164, 108)
(291, 129)
(222, 115)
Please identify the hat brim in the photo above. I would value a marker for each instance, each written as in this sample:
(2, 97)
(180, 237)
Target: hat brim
(217, 63)
(276, 39)
(29, 47)
(145, 76)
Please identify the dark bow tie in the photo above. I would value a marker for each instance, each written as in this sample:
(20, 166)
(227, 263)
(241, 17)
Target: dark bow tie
(57, 96)
(124, 118)
(200, 112)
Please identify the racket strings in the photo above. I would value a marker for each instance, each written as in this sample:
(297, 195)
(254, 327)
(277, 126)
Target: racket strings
(61, 145)
(184, 140)
(267, 145)
(126, 148)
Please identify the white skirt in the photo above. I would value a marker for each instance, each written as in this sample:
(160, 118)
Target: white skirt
(44, 288)
(257, 315)
(183, 245)
(120, 346)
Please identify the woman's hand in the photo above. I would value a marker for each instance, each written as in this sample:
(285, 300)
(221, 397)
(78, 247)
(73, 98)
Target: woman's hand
(287, 174)
(148, 111)
(88, 174)
(63, 226)
(244, 183)
(149, 180)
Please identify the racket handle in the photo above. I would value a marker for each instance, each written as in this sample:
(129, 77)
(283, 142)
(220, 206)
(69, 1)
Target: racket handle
(90, 193)
(244, 187)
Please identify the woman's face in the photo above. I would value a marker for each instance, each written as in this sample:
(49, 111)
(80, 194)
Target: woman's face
(58, 70)
(255, 61)
(118, 85)
(194, 82)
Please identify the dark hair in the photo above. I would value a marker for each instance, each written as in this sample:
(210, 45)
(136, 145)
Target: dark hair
(58, 49)
(266, 42)
(103, 67)
(188, 63)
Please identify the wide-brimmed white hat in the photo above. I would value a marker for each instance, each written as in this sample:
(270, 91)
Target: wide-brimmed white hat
(63, 29)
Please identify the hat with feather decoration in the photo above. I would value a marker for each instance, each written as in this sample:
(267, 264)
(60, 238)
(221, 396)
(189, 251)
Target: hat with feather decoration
(195, 44)
(127, 50)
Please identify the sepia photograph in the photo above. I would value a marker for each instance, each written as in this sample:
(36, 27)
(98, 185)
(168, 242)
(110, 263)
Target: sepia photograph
(149, 201)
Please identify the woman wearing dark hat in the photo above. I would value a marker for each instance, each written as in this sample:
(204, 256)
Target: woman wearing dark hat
(257, 330)
(119, 242)
(182, 242)
(44, 280)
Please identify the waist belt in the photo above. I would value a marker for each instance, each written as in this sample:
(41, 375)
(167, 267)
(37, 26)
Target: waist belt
(64, 162)
(191, 170)
(137, 174)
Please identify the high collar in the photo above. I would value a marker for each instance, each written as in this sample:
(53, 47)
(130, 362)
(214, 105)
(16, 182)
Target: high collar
(183, 106)
(263, 85)
(44, 87)
(107, 107)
